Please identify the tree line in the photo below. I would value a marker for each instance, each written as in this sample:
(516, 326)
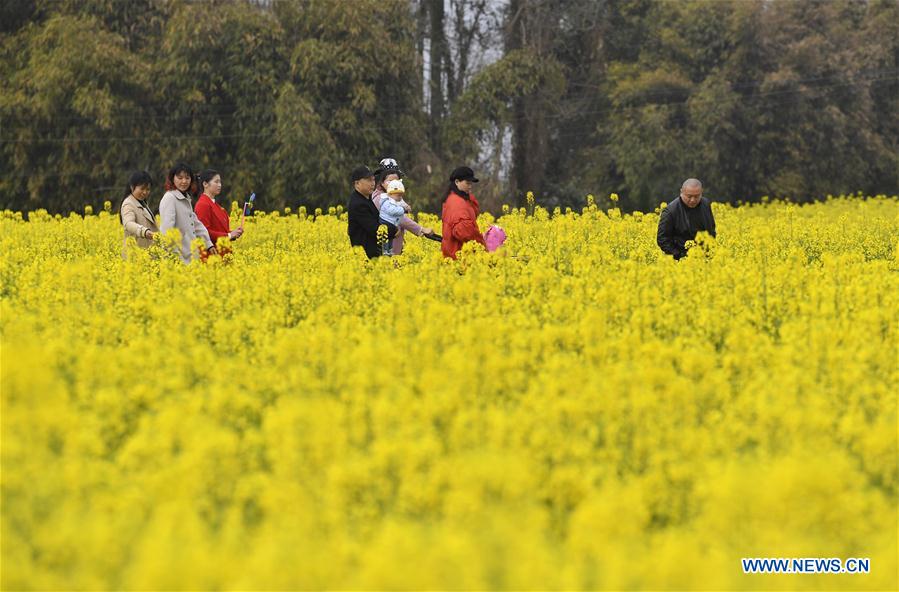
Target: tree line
(564, 98)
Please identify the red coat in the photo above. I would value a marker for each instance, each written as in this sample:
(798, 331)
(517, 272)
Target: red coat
(213, 216)
(460, 223)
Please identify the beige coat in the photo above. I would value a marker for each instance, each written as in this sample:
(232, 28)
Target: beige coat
(176, 211)
(137, 221)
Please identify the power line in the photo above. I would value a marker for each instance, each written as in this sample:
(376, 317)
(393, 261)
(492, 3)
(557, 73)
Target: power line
(777, 103)
(380, 129)
(209, 111)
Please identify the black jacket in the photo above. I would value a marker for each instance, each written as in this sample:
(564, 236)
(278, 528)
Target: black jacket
(675, 228)
(362, 225)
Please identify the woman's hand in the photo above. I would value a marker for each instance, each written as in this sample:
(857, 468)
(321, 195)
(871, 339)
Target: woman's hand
(235, 234)
(150, 235)
(425, 230)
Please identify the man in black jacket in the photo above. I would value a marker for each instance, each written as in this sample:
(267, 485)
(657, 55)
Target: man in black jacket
(362, 215)
(683, 218)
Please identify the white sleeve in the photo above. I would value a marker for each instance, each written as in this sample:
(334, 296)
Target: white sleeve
(167, 213)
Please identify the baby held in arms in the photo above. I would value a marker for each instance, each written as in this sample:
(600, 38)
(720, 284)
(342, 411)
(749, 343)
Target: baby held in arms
(392, 211)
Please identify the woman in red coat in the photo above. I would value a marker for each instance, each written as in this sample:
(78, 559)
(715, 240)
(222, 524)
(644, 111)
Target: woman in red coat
(213, 216)
(460, 213)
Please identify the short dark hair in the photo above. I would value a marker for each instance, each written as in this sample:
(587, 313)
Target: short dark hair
(138, 179)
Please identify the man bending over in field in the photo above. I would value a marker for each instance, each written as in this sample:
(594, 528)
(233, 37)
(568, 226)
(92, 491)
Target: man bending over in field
(683, 218)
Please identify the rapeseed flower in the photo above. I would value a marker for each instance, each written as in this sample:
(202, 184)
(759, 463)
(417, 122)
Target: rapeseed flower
(604, 417)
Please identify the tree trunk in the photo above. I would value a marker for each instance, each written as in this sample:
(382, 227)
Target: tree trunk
(437, 55)
(528, 26)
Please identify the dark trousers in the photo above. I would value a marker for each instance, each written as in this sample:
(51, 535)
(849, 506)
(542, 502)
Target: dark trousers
(391, 234)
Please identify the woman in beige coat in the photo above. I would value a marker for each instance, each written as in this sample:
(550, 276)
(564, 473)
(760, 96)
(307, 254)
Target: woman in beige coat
(136, 216)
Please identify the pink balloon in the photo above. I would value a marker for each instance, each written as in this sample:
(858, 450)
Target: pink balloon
(494, 237)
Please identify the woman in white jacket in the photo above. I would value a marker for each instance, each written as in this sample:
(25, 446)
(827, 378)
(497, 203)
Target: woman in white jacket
(177, 211)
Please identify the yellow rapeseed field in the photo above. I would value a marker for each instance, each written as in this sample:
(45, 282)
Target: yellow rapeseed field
(578, 413)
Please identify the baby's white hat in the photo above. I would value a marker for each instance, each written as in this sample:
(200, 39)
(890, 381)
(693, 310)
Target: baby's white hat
(395, 186)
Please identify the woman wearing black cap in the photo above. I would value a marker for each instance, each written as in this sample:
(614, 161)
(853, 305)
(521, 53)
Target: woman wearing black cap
(460, 213)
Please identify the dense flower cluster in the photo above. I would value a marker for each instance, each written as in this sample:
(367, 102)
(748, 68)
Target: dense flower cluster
(577, 411)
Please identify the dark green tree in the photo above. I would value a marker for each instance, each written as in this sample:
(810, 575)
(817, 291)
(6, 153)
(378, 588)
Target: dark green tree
(352, 94)
(72, 115)
(214, 94)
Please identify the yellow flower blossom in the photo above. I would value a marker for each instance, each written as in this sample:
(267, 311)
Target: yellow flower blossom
(581, 413)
